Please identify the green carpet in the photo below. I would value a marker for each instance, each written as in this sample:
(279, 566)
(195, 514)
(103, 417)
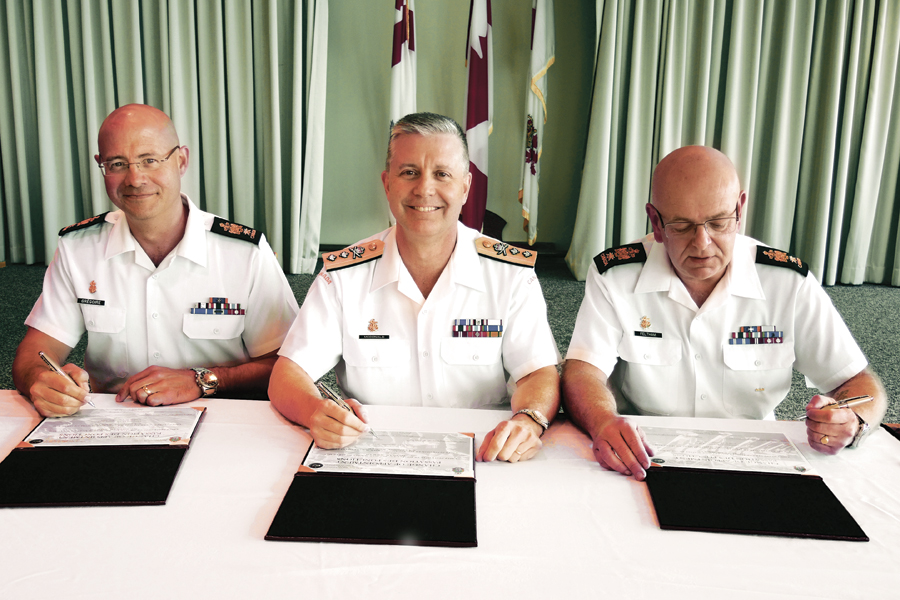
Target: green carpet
(870, 312)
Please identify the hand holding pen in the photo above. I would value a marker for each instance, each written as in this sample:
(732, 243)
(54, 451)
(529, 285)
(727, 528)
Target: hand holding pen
(846, 403)
(53, 397)
(329, 394)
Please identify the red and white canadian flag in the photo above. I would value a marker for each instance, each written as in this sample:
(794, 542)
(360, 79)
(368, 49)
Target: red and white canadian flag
(479, 109)
(543, 43)
(403, 61)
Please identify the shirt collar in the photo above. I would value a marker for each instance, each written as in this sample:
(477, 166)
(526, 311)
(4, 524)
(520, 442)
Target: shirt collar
(465, 267)
(192, 245)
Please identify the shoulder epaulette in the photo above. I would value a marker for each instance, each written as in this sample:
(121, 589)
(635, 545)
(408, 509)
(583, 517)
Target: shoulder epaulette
(495, 250)
(353, 255)
(630, 253)
(84, 224)
(235, 230)
(777, 258)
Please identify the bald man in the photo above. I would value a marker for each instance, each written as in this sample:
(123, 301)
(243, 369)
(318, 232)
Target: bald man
(177, 303)
(697, 320)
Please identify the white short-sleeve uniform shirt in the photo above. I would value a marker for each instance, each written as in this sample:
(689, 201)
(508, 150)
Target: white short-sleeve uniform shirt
(137, 315)
(390, 345)
(673, 358)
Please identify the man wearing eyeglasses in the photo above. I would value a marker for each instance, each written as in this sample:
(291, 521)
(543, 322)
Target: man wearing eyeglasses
(177, 303)
(698, 320)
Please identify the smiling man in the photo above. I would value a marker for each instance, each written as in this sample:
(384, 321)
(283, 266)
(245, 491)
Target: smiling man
(697, 320)
(426, 313)
(177, 303)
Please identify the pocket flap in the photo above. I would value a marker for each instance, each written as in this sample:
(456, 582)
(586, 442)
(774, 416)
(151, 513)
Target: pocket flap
(759, 357)
(103, 319)
(650, 351)
(471, 351)
(377, 353)
(213, 327)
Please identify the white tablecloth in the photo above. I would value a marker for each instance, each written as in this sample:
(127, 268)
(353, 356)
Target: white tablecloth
(553, 527)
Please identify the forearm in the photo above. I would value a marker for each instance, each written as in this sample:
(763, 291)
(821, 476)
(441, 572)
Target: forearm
(865, 383)
(539, 390)
(292, 392)
(587, 398)
(247, 380)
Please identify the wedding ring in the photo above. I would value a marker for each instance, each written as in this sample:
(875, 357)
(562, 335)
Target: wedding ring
(146, 389)
(824, 440)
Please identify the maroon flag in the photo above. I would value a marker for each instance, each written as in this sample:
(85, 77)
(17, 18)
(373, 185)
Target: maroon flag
(403, 61)
(479, 109)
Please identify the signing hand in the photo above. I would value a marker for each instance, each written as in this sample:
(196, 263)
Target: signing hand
(55, 396)
(829, 430)
(620, 446)
(157, 386)
(334, 427)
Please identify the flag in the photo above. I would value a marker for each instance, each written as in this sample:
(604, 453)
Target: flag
(479, 109)
(542, 57)
(403, 61)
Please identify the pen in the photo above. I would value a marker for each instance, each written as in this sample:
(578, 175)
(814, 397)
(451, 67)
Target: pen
(846, 403)
(330, 394)
(52, 364)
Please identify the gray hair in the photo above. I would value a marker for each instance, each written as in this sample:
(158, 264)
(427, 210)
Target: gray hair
(425, 123)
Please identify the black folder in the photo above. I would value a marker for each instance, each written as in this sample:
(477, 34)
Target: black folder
(750, 503)
(36, 476)
(377, 509)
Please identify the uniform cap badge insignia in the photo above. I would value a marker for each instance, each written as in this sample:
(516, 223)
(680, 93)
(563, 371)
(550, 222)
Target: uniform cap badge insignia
(93, 287)
(645, 322)
(373, 325)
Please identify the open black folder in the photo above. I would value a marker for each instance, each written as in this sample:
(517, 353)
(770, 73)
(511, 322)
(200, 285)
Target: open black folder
(353, 506)
(36, 474)
(797, 504)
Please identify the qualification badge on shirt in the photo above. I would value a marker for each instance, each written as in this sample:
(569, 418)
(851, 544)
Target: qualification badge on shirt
(477, 327)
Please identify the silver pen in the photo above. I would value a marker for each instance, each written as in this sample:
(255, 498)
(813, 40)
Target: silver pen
(846, 403)
(52, 364)
(330, 394)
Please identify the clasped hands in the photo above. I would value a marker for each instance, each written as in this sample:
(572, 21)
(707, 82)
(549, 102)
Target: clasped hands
(514, 440)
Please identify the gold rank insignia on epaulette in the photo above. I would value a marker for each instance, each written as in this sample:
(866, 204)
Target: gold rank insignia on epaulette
(235, 230)
(630, 253)
(353, 255)
(84, 224)
(777, 258)
(495, 250)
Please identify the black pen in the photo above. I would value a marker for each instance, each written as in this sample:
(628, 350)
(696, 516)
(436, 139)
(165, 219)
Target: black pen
(52, 364)
(330, 394)
(847, 403)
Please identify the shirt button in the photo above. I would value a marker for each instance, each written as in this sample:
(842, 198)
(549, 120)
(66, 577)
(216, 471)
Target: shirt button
(155, 315)
(475, 357)
(429, 396)
(374, 359)
(757, 363)
(703, 396)
(155, 276)
(646, 357)
(425, 353)
(216, 331)
(157, 354)
(91, 322)
(697, 356)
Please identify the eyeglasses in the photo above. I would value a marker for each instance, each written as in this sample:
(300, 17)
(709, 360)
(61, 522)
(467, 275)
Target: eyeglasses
(150, 163)
(713, 227)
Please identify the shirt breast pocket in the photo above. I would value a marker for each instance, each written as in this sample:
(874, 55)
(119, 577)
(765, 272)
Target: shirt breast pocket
(471, 351)
(756, 377)
(377, 354)
(213, 327)
(103, 319)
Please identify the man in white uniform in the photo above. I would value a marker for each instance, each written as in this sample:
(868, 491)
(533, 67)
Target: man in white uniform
(426, 313)
(177, 303)
(697, 320)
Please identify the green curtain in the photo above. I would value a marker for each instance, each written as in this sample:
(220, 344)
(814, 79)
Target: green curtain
(799, 94)
(237, 78)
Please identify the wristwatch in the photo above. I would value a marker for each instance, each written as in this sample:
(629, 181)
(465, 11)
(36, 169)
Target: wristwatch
(206, 381)
(861, 433)
(537, 416)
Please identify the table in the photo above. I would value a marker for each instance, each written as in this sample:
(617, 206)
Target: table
(556, 526)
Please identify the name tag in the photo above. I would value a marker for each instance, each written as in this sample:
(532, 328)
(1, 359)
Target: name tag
(374, 337)
(650, 334)
(91, 301)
